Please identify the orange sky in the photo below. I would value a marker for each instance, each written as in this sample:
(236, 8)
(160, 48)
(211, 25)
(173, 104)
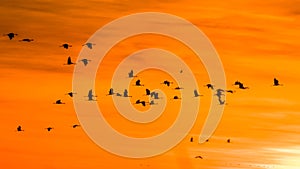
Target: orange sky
(256, 41)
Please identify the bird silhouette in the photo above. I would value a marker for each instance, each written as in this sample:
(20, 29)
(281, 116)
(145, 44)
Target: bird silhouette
(69, 61)
(148, 92)
(167, 83)
(152, 102)
(241, 85)
(199, 157)
(26, 40)
(118, 94)
(59, 102)
(10, 35)
(85, 61)
(178, 88)
(90, 95)
(154, 95)
(130, 74)
(181, 71)
(71, 94)
(140, 102)
(196, 94)
(228, 140)
(110, 92)
(75, 125)
(89, 45)
(49, 128)
(276, 82)
(209, 86)
(138, 83)
(191, 139)
(176, 98)
(66, 46)
(19, 128)
(230, 91)
(219, 92)
(125, 93)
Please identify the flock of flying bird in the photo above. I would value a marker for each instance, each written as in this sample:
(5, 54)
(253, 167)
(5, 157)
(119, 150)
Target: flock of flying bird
(12, 35)
(153, 95)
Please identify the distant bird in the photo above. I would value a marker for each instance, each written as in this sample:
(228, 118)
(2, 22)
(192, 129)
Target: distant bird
(85, 61)
(236, 83)
(152, 102)
(196, 94)
(58, 102)
(66, 46)
(228, 140)
(69, 61)
(230, 91)
(75, 125)
(19, 128)
(130, 74)
(138, 83)
(207, 140)
(91, 96)
(148, 92)
(191, 139)
(49, 128)
(209, 86)
(199, 157)
(26, 40)
(178, 88)
(89, 45)
(140, 102)
(181, 71)
(110, 92)
(176, 98)
(10, 35)
(276, 83)
(241, 85)
(71, 94)
(154, 95)
(219, 92)
(166, 82)
(118, 94)
(125, 93)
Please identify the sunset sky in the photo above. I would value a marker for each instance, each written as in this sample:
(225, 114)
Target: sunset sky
(256, 42)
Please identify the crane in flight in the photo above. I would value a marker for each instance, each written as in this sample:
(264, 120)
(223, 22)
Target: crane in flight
(240, 84)
(176, 98)
(154, 95)
(10, 35)
(49, 128)
(276, 82)
(167, 83)
(59, 102)
(19, 128)
(138, 83)
(26, 40)
(89, 45)
(75, 125)
(125, 93)
(66, 45)
(130, 74)
(141, 102)
(85, 61)
(110, 92)
(196, 94)
(71, 94)
(209, 86)
(69, 61)
(90, 95)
